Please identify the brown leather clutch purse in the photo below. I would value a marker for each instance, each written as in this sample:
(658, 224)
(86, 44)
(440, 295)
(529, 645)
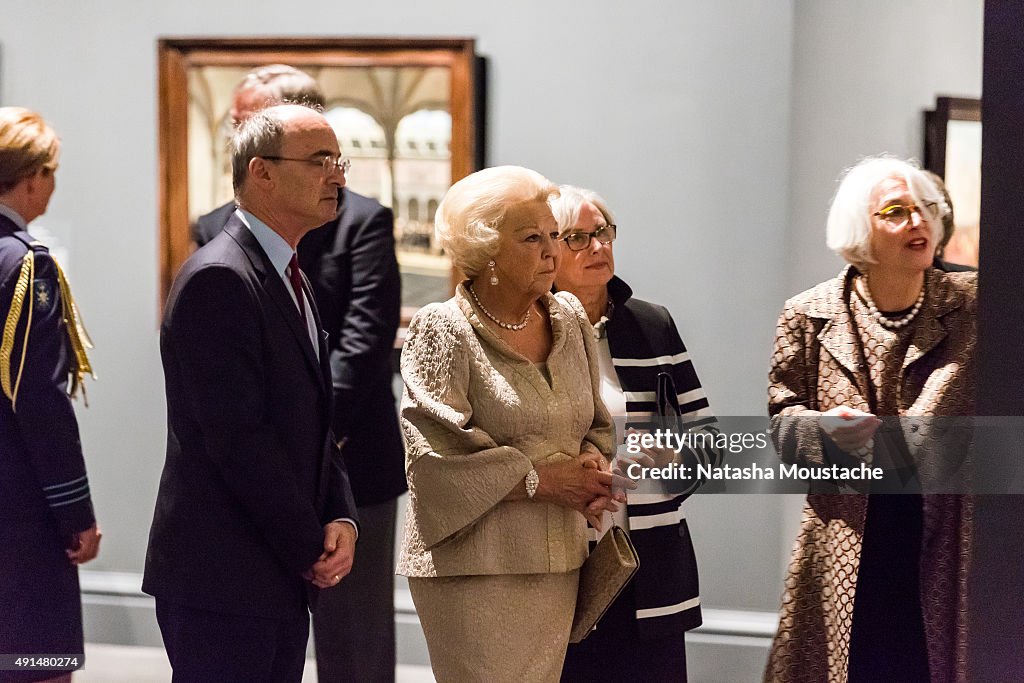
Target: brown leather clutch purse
(606, 572)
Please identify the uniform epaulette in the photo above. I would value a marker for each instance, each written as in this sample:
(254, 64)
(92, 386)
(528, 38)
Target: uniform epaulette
(77, 334)
(25, 279)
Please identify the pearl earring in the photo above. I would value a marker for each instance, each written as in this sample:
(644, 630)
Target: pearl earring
(494, 276)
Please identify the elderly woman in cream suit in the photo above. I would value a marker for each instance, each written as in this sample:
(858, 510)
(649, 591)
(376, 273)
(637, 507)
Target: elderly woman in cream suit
(508, 441)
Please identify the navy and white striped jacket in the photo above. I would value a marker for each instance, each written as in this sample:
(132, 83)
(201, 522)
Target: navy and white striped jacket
(644, 342)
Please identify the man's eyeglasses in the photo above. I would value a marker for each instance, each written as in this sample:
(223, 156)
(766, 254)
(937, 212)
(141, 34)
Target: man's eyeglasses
(577, 241)
(328, 164)
(897, 215)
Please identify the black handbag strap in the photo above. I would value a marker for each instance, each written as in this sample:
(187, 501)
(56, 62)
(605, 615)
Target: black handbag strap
(667, 400)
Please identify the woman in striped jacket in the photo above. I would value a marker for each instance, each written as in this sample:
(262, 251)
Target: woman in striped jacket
(638, 341)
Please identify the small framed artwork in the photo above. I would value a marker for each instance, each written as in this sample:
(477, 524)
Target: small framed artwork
(953, 151)
(406, 111)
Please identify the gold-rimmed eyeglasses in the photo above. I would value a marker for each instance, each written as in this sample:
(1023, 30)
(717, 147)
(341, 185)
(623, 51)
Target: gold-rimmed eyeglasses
(577, 241)
(897, 215)
(327, 163)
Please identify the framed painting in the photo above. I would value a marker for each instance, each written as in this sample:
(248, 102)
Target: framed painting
(953, 151)
(406, 111)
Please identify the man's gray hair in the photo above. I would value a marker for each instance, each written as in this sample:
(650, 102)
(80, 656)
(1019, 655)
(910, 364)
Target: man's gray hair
(281, 83)
(948, 219)
(259, 135)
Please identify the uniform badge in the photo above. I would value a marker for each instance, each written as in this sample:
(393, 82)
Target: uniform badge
(43, 292)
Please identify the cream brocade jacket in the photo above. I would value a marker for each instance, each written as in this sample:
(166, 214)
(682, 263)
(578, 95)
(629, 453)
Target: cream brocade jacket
(477, 416)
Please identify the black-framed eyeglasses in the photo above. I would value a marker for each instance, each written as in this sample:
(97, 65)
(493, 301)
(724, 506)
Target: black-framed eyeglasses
(577, 241)
(327, 163)
(897, 215)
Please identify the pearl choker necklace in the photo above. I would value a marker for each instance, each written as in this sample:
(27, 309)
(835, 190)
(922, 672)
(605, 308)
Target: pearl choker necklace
(515, 327)
(885, 322)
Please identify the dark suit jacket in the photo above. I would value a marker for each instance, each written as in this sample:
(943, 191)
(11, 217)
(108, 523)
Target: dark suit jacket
(39, 443)
(44, 492)
(252, 473)
(949, 267)
(352, 267)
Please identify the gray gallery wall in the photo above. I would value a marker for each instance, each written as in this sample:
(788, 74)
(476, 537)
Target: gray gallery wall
(678, 114)
(715, 131)
(863, 74)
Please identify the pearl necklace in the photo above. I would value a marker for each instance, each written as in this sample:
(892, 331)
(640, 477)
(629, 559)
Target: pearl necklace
(515, 327)
(885, 322)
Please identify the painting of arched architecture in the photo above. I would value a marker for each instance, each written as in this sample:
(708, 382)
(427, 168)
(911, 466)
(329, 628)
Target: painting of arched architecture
(404, 115)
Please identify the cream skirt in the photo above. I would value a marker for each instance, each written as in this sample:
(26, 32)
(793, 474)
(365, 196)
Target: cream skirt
(505, 627)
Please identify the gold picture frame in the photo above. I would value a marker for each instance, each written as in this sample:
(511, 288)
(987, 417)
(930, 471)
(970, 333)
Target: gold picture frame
(387, 80)
(953, 151)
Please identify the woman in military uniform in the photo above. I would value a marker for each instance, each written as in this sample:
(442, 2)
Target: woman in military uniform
(47, 527)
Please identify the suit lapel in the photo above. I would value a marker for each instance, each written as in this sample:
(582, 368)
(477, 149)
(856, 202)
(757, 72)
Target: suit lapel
(275, 288)
(325, 382)
(930, 330)
(928, 333)
(838, 335)
(321, 336)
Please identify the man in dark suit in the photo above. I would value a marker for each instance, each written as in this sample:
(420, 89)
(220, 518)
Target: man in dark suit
(47, 527)
(254, 510)
(351, 264)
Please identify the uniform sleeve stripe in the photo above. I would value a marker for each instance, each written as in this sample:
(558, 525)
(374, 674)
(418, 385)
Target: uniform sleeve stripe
(648, 362)
(55, 497)
(69, 502)
(668, 609)
(66, 484)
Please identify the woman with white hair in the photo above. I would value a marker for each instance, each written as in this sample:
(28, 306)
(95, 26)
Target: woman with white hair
(876, 587)
(638, 348)
(507, 440)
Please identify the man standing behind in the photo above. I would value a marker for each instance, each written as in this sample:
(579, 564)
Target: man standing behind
(351, 263)
(254, 507)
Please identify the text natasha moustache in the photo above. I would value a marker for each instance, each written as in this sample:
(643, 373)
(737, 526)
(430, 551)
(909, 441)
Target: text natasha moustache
(860, 472)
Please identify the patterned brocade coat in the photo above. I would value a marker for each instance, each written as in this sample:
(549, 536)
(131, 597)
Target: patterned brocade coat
(816, 366)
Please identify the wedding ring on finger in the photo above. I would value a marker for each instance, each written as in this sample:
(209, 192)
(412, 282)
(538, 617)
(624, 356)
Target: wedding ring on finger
(337, 579)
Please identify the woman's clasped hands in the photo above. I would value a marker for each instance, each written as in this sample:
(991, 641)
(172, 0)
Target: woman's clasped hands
(585, 484)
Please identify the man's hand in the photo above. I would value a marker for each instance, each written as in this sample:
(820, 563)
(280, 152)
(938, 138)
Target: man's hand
(336, 561)
(85, 545)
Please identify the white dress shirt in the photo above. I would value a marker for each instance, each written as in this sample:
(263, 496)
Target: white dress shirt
(280, 254)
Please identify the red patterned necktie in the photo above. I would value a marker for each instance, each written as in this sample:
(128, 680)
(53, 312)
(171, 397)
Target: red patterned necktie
(295, 275)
